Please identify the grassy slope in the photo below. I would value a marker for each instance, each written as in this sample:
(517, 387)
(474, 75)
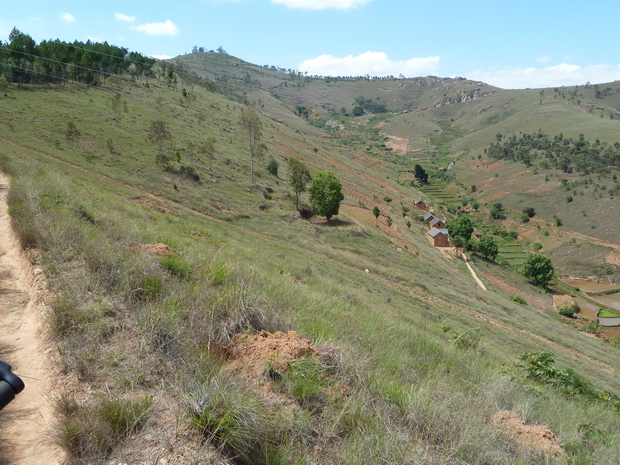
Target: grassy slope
(411, 292)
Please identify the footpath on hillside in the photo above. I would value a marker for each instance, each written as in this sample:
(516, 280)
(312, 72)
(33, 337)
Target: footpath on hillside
(473, 273)
(27, 427)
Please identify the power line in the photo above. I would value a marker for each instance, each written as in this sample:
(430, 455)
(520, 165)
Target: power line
(38, 57)
(59, 62)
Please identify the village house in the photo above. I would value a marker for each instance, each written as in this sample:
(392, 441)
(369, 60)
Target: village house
(438, 237)
(421, 204)
(428, 217)
(437, 223)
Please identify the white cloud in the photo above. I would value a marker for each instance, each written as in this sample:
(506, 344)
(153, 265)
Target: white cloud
(372, 63)
(544, 59)
(68, 17)
(322, 4)
(123, 17)
(552, 76)
(160, 57)
(157, 29)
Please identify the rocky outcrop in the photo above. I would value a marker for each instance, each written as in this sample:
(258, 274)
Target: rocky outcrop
(462, 97)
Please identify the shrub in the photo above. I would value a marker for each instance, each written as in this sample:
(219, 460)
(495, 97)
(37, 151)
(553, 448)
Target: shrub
(569, 311)
(272, 166)
(594, 327)
(497, 211)
(529, 211)
(518, 299)
(468, 339)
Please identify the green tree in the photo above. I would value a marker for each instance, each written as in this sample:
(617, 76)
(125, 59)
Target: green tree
(376, 212)
(529, 211)
(358, 110)
(497, 211)
(487, 247)
(538, 269)
(461, 227)
(299, 176)
(326, 194)
(272, 166)
(159, 133)
(251, 125)
(208, 148)
(420, 174)
(116, 104)
(72, 132)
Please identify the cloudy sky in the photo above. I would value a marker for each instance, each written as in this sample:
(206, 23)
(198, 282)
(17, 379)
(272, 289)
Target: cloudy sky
(541, 43)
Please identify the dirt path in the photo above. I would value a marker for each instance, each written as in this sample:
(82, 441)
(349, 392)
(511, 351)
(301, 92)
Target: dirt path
(27, 421)
(473, 273)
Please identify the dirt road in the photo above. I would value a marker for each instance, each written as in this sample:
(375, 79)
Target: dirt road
(27, 421)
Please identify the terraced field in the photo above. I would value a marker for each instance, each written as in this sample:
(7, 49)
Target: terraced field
(513, 253)
(439, 193)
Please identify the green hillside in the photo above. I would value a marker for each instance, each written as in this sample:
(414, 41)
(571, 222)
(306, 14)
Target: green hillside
(419, 357)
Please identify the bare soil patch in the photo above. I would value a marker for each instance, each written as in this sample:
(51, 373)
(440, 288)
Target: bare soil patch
(530, 436)
(398, 144)
(614, 257)
(250, 354)
(562, 301)
(155, 205)
(157, 248)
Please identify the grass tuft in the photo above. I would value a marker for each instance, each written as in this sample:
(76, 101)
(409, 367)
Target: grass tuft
(89, 433)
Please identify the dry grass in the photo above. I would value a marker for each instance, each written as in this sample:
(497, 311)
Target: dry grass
(135, 327)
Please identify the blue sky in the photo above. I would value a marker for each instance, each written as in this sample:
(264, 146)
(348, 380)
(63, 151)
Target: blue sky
(542, 43)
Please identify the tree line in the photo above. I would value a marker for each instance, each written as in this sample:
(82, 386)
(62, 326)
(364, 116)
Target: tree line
(563, 153)
(23, 61)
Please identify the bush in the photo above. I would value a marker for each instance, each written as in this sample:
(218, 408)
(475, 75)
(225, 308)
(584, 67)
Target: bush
(529, 211)
(468, 339)
(497, 211)
(518, 299)
(568, 311)
(272, 166)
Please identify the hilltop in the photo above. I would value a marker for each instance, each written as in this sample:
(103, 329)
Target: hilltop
(406, 358)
